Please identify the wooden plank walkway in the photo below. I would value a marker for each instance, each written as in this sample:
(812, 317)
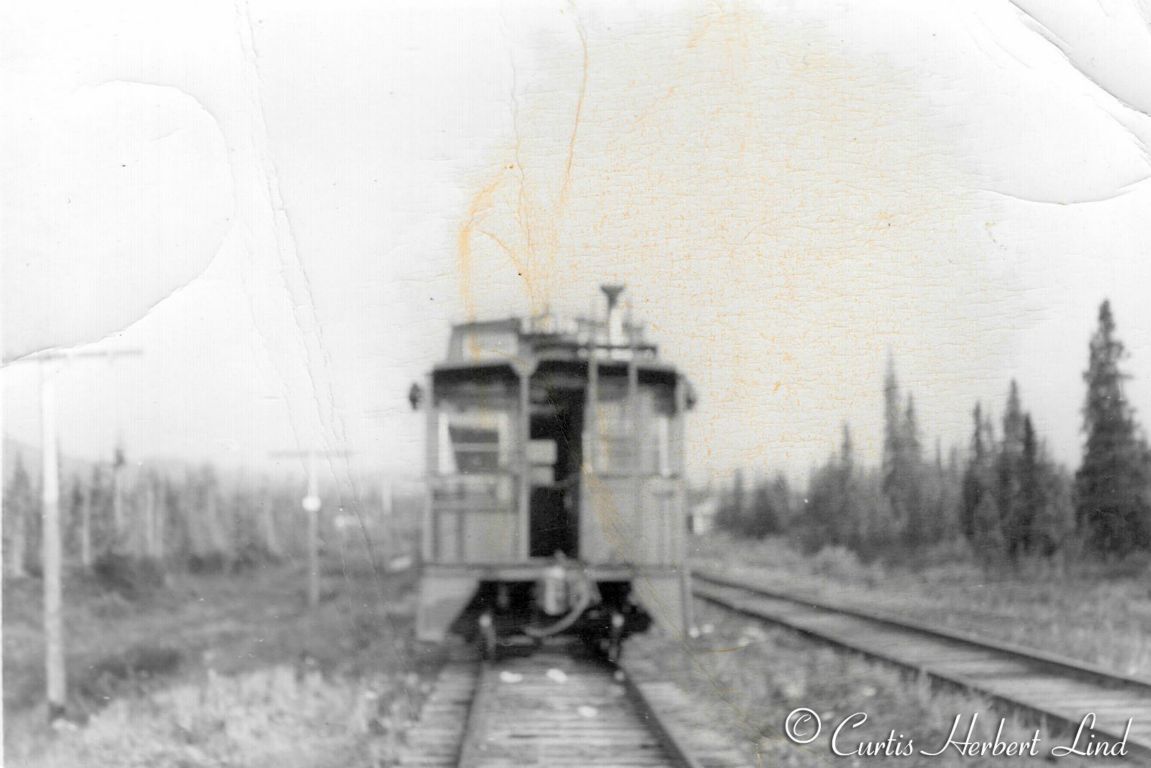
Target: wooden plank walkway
(559, 709)
(1060, 689)
(555, 710)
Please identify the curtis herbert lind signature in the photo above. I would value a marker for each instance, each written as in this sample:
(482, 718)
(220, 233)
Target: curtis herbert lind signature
(803, 726)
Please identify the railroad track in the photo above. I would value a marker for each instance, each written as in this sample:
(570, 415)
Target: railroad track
(1054, 688)
(556, 708)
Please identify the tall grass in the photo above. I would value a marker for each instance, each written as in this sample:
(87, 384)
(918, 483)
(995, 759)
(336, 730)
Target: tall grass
(749, 676)
(281, 716)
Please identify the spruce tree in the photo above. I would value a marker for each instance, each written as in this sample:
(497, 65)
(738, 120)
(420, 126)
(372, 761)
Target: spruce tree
(1056, 509)
(847, 449)
(902, 455)
(972, 487)
(848, 517)
(739, 501)
(725, 517)
(1013, 418)
(981, 520)
(912, 447)
(1030, 484)
(1111, 500)
(765, 516)
(892, 439)
(911, 478)
(1008, 473)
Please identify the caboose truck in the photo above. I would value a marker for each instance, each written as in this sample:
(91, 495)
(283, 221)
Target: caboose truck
(555, 484)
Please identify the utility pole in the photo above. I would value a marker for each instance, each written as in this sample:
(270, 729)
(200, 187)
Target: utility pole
(57, 683)
(268, 518)
(118, 463)
(150, 538)
(86, 528)
(311, 504)
(52, 560)
(387, 516)
(160, 518)
(3, 482)
(3, 522)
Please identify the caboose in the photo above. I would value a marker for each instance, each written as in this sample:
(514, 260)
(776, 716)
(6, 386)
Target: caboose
(555, 484)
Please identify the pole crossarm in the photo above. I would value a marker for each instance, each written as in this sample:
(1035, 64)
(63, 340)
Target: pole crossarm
(50, 355)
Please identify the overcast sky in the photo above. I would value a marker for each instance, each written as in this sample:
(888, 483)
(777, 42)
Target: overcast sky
(284, 205)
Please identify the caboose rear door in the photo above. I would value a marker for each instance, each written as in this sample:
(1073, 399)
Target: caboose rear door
(554, 462)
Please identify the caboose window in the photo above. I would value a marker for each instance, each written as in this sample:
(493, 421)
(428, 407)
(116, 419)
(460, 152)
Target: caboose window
(657, 460)
(473, 442)
(618, 429)
(616, 439)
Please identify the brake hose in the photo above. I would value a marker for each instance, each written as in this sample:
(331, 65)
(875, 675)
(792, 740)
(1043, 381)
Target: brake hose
(573, 615)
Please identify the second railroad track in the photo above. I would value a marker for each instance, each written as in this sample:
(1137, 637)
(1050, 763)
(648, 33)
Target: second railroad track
(1060, 690)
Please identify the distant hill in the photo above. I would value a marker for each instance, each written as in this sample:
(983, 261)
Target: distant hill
(18, 452)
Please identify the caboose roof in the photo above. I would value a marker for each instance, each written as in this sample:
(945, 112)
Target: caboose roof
(543, 336)
(493, 350)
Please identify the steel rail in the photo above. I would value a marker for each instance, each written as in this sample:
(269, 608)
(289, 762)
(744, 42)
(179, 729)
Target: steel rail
(478, 714)
(667, 734)
(1077, 668)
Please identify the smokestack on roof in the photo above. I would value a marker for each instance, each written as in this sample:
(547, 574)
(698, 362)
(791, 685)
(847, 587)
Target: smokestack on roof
(614, 317)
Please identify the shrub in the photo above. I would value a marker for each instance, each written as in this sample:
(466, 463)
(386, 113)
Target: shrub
(252, 555)
(1133, 566)
(210, 562)
(106, 677)
(130, 577)
(839, 563)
